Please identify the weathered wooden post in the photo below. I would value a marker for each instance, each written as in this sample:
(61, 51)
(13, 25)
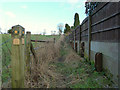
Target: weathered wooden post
(0, 64)
(79, 41)
(74, 39)
(89, 36)
(78, 47)
(28, 45)
(17, 56)
(80, 38)
(54, 40)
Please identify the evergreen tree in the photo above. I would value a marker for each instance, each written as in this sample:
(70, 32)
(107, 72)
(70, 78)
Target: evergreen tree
(9, 31)
(67, 28)
(72, 27)
(76, 20)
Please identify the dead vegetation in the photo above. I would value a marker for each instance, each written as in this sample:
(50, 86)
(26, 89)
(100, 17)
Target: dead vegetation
(60, 67)
(45, 74)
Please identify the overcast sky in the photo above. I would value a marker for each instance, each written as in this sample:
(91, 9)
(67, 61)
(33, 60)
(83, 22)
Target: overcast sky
(38, 15)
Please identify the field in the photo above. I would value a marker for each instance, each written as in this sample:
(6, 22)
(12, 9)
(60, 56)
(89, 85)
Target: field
(6, 52)
(58, 66)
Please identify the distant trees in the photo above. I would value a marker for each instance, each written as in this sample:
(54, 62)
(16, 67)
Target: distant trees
(53, 32)
(60, 28)
(67, 28)
(9, 31)
(76, 20)
(72, 27)
(76, 23)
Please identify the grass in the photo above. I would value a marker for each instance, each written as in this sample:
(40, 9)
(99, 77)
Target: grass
(63, 52)
(88, 77)
(43, 37)
(6, 57)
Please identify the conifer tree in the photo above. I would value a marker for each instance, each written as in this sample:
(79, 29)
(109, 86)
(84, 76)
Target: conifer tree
(67, 28)
(76, 20)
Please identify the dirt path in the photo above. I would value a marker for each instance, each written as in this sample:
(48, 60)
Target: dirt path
(60, 67)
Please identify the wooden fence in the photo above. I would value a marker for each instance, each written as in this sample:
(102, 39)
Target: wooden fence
(102, 26)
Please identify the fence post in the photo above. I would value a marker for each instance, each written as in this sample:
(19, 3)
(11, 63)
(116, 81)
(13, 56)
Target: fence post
(89, 37)
(78, 47)
(74, 39)
(0, 63)
(28, 44)
(17, 56)
(80, 38)
(54, 40)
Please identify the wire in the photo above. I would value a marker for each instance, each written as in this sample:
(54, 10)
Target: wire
(6, 44)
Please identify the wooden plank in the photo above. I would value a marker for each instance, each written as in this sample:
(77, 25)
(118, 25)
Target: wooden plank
(40, 41)
(105, 30)
(105, 19)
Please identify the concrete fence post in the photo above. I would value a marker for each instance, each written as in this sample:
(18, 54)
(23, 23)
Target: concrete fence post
(17, 56)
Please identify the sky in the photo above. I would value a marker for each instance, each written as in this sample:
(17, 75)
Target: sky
(39, 16)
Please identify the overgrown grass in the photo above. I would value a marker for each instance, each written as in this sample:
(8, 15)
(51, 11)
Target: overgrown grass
(6, 57)
(44, 37)
(88, 77)
(6, 48)
(63, 52)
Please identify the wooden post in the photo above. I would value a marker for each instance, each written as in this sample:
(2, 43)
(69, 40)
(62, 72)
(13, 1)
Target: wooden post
(28, 44)
(74, 39)
(80, 40)
(89, 37)
(34, 54)
(0, 63)
(17, 57)
(78, 47)
(54, 40)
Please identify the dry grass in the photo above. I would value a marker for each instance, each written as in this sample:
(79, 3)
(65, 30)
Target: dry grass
(59, 67)
(43, 75)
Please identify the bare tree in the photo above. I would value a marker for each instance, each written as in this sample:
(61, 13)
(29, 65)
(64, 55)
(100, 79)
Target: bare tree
(60, 28)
